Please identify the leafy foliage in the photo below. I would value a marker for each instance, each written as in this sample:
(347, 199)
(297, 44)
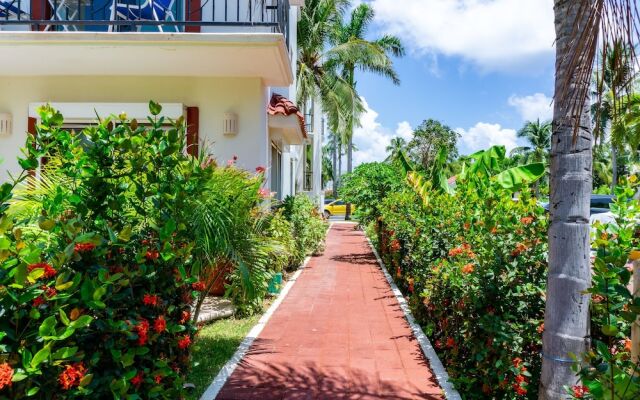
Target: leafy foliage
(308, 226)
(430, 139)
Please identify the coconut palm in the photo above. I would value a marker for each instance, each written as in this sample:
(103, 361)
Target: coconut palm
(317, 78)
(579, 24)
(394, 148)
(353, 51)
(538, 134)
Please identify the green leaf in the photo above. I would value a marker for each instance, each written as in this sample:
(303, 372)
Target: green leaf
(125, 234)
(81, 322)
(610, 330)
(33, 391)
(99, 292)
(48, 326)
(154, 108)
(63, 317)
(64, 352)
(40, 356)
(514, 178)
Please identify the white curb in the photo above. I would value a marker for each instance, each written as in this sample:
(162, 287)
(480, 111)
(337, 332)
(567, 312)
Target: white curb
(226, 371)
(450, 392)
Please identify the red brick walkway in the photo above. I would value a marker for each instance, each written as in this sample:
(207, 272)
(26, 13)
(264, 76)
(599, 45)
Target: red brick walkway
(339, 334)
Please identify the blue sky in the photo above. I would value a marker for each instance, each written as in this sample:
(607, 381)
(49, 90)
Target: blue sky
(483, 67)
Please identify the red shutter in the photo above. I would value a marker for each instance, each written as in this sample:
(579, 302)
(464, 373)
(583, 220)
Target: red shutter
(31, 129)
(40, 11)
(194, 13)
(193, 129)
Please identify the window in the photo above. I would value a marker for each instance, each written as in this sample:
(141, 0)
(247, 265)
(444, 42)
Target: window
(276, 171)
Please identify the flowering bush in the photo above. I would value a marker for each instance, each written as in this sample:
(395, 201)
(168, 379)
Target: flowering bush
(96, 258)
(308, 226)
(473, 266)
(608, 371)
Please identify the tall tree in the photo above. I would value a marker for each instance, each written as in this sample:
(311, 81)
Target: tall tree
(538, 134)
(579, 25)
(396, 145)
(354, 51)
(429, 139)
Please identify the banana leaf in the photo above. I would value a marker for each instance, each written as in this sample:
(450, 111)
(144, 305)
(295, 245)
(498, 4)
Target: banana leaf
(514, 178)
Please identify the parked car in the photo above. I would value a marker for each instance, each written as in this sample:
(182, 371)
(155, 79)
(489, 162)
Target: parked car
(337, 207)
(599, 203)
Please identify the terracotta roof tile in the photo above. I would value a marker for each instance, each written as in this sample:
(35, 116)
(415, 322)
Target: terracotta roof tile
(280, 105)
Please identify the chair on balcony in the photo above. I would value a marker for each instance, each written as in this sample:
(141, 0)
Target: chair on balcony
(10, 9)
(150, 10)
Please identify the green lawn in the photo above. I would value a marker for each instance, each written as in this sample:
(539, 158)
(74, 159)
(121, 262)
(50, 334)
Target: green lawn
(214, 346)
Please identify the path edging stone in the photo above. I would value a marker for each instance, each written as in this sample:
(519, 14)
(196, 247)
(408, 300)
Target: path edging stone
(226, 371)
(438, 369)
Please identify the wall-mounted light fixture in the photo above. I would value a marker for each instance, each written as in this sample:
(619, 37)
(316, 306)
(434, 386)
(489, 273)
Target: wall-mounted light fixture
(6, 122)
(230, 124)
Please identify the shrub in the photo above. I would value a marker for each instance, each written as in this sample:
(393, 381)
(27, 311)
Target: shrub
(96, 257)
(473, 265)
(308, 226)
(367, 185)
(607, 371)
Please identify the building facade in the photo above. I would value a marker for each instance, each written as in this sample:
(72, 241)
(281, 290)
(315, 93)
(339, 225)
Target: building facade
(227, 66)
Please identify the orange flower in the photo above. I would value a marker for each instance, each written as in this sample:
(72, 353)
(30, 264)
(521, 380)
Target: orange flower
(6, 374)
(466, 226)
(72, 375)
(627, 345)
(517, 362)
(541, 328)
(467, 269)
(494, 230)
(520, 247)
(450, 342)
(160, 324)
(579, 391)
(152, 255)
(395, 245)
(520, 390)
(186, 315)
(411, 288)
(526, 220)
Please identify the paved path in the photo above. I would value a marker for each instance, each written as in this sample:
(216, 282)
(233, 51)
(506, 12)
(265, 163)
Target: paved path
(339, 334)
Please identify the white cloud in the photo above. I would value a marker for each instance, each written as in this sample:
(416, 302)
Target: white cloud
(532, 107)
(372, 138)
(492, 34)
(484, 135)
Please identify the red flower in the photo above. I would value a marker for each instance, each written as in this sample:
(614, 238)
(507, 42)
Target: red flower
(152, 255)
(541, 328)
(150, 300)
(520, 390)
(158, 379)
(260, 169)
(395, 245)
(142, 329)
(84, 247)
(579, 391)
(438, 344)
(264, 193)
(6, 374)
(520, 247)
(517, 362)
(184, 342)
(49, 271)
(72, 375)
(411, 287)
(450, 342)
(49, 291)
(199, 286)
(160, 324)
(137, 380)
(186, 316)
(467, 269)
(38, 301)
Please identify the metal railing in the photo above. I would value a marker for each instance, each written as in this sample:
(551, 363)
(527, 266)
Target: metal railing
(146, 15)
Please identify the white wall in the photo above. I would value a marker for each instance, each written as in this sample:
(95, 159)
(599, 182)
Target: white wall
(246, 97)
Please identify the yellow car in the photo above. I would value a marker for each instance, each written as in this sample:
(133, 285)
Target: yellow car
(337, 207)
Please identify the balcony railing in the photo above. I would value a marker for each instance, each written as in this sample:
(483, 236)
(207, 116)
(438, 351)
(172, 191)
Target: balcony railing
(146, 15)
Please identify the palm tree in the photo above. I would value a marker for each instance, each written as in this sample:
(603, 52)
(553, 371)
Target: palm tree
(578, 26)
(608, 111)
(353, 51)
(317, 78)
(538, 134)
(394, 148)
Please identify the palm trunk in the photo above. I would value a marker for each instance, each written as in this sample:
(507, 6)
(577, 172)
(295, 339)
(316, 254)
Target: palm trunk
(339, 174)
(347, 215)
(566, 319)
(334, 161)
(614, 168)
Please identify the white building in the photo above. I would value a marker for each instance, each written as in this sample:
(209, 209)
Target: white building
(227, 66)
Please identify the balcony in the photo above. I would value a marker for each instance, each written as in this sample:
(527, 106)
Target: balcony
(146, 15)
(199, 38)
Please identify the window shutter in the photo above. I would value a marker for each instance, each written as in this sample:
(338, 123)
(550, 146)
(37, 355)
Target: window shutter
(31, 129)
(40, 11)
(194, 13)
(193, 128)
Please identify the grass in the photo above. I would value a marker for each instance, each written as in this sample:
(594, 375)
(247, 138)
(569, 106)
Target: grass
(214, 346)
